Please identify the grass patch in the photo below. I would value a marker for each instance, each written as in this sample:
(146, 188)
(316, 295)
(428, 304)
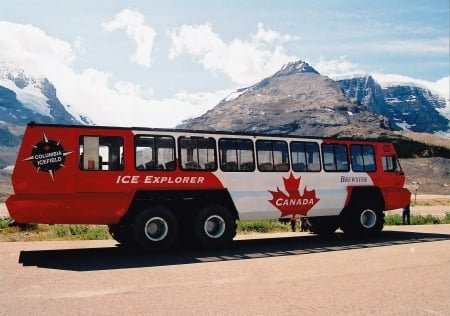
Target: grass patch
(396, 219)
(39, 232)
(262, 226)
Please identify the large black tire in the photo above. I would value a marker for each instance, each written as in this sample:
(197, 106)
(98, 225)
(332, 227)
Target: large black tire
(155, 229)
(122, 233)
(363, 221)
(215, 226)
(323, 225)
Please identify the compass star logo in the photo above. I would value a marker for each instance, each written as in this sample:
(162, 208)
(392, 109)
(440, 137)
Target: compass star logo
(48, 156)
(294, 202)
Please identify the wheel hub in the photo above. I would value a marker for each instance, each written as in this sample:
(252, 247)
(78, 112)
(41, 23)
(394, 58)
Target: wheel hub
(368, 218)
(156, 229)
(214, 226)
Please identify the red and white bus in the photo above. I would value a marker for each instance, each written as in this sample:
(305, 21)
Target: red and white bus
(156, 186)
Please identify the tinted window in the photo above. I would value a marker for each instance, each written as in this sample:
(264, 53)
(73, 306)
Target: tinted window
(272, 155)
(197, 153)
(390, 163)
(154, 152)
(305, 156)
(335, 157)
(363, 158)
(236, 155)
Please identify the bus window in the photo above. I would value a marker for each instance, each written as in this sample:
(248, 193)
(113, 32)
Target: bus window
(236, 155)
(197, 153)
(335, 157)
(101, 153)
(272, 155)
(154, 152)
(363, 158)
(390, 164)
(305, 156)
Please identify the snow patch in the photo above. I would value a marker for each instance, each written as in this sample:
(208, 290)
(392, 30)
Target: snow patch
(31, 97)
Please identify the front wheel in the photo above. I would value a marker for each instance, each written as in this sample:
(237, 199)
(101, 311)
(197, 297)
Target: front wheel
(156, 229)
(363, 221)
(215, 226)
(122, 233)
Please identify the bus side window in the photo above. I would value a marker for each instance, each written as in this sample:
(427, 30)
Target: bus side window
(236, 155)
(197, 153)
(101, 153)
(154, 152)
(335, 157)
(305, 156)
(272, 155)
(390, 164)
(363, 158)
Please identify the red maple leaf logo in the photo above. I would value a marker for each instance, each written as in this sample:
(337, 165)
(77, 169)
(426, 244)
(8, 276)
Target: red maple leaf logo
(293, 202)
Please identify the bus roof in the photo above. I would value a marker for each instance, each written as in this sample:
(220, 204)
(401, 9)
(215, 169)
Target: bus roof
(218, 132)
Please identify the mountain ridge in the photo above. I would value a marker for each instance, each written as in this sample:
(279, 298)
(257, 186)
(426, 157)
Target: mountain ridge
(296, 100)
(410, 107)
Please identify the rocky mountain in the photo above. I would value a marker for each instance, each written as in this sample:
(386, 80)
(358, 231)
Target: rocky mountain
(407, 106)
(296, 100)
(24, 99)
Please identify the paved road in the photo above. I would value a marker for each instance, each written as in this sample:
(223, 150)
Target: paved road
(404, 272)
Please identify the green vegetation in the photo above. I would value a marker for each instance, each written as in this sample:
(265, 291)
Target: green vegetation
(37, 232)
(262, 226)
(396, 219)
(408, 148)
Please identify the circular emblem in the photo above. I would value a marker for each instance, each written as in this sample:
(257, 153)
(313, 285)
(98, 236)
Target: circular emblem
(48, 156)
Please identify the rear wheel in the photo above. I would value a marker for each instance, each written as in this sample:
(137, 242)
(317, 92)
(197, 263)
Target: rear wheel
(215, 226)
(156, 229)
(323, 226)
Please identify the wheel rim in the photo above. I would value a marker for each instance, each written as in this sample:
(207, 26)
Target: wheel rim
(368, 218)
(156, 228)
(214, 226)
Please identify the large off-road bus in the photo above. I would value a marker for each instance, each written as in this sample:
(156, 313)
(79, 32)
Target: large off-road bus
(157, 187)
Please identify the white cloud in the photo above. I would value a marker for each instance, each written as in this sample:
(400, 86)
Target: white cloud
(440, 87)
(132, 21)
(337, 67)
(126, 104)
(243, 61)
(417, 46)
(93, 93)
(33, 49)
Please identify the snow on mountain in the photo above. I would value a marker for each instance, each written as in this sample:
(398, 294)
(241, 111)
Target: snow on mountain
(24, 99)
(440, 88)
(30, 96)
(288, 69)
(410, 104)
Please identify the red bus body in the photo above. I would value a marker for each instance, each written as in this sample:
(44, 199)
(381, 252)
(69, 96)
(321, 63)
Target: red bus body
(55, 182)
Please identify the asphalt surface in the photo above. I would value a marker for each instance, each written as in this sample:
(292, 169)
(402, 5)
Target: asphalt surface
(405, 271)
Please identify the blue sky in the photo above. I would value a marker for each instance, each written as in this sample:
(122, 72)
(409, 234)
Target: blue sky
(155, 63)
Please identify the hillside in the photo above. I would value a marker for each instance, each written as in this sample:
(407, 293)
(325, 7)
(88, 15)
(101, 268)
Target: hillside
(297, 100)
(406, 105)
